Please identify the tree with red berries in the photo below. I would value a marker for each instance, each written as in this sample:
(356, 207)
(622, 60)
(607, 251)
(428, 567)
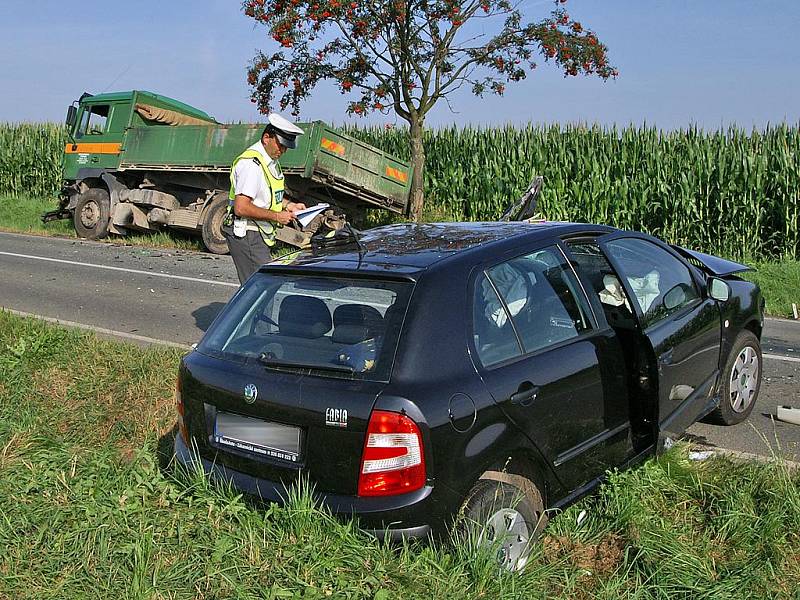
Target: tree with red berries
(406, 55)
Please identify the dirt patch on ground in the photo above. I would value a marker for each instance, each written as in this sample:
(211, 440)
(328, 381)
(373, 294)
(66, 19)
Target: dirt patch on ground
(53, 384)
(600, 558)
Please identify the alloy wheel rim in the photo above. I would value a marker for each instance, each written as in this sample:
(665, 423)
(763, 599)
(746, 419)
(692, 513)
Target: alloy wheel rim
(90, 214)
(506, 532)
(744, 379)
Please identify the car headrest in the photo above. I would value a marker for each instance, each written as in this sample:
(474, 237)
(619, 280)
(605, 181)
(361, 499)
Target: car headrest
(304, 316)
(353, 323)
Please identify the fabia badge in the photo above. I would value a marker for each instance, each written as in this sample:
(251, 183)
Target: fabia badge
(336, 417)
(250, 393)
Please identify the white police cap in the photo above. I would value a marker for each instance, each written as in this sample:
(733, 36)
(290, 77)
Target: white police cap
(284, 130)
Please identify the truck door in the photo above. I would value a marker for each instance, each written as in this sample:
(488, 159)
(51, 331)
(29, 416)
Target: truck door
(98, 137)
(556, 372)
(679, 326)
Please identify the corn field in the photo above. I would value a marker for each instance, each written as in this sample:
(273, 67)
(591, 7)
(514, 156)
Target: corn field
(30, 158)
(728, 192)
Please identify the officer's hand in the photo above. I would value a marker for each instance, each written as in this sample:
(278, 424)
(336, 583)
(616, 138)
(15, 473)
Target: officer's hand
(284, 217)
(295, 206)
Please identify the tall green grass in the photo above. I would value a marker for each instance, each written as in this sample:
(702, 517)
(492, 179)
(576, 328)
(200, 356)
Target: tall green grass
(30, 158)
(728, 192)
(87, 512)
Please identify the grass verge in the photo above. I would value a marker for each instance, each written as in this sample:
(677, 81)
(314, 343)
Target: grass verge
(85, 510)
(780, 283)
(23, 215)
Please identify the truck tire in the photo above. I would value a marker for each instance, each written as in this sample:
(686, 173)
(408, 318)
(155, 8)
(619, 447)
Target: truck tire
(211, 230)
(741, 382)
(92, 214)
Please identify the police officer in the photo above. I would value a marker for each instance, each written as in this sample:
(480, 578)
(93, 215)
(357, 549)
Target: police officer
(256, 205)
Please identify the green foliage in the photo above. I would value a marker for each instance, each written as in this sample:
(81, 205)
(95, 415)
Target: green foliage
(30, 158)
(780, 283)
(725, 192)
(87, 509)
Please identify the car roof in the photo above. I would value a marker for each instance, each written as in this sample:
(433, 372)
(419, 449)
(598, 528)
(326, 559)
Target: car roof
(411, 247)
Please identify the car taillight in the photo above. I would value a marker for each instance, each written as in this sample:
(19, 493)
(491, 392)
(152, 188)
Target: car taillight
(393, 461)
(181, 410)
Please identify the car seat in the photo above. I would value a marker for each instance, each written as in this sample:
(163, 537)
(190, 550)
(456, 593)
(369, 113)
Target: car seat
(353, 323)
(303, 317)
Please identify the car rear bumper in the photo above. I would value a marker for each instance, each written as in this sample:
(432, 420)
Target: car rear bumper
(393, 517)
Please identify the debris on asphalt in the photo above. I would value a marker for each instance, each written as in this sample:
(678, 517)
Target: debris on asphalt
(789, 414)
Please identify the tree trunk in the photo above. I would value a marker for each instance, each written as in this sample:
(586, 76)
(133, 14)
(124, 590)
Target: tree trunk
(418, 162)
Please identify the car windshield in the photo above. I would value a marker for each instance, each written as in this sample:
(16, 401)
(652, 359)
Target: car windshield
(338, 326)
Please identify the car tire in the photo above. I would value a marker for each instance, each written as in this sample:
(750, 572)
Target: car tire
(211, 229)
(92, 214)
(501, 516)
(741, 381)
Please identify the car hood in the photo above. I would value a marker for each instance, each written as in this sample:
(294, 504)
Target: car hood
(713, 264)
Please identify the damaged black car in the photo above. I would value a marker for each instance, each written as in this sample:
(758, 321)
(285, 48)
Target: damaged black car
(488, 370)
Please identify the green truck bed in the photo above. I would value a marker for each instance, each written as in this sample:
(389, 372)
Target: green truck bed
(329, 162)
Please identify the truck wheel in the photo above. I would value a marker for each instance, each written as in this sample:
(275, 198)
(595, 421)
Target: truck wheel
(92, 214)
(501, 518)
(213, 239)
(741, 381)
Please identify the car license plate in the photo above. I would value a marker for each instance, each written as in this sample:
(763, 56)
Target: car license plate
(257, 436)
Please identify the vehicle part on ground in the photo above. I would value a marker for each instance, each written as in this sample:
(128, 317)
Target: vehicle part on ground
(789, 414)
(92, 214)
(741, 381)
(504, 519)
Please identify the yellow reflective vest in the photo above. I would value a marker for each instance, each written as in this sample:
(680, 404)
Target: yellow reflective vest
(276, 188)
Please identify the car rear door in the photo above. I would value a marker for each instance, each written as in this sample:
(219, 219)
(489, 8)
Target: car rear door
(556, 373)
(679, 324)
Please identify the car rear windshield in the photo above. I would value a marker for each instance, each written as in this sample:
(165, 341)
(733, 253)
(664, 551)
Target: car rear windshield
(338, 326)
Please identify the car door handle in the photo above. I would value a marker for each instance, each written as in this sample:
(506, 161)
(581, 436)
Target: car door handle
(525, 394)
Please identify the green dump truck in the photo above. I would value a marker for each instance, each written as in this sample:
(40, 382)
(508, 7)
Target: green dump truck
(139, 161)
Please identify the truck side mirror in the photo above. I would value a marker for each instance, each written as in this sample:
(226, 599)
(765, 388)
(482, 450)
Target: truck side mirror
(718, 289)
(72, 113)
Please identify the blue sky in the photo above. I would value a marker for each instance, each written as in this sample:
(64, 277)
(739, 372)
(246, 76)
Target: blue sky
(710, 63)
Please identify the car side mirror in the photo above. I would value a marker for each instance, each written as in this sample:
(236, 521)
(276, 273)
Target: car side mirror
(719, 289)
(72, 112)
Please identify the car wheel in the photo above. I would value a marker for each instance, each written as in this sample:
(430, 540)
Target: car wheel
(505, 520)
(92, 214)
(213, 239)
(741, 381)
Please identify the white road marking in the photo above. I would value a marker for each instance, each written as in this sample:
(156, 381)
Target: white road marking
(121, 334)
(83, 264)
(783, 358)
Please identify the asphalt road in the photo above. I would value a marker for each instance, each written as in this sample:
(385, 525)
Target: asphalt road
(149, 295)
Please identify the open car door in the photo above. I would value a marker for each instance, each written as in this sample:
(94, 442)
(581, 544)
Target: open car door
(679, 325)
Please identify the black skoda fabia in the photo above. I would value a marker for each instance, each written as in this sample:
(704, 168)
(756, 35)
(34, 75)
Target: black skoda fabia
(485, 370)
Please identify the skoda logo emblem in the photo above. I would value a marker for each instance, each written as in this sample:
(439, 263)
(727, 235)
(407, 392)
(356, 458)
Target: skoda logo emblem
(250, 393)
